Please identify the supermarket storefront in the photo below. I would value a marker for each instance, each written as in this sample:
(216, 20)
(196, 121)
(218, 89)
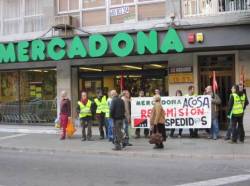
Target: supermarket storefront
(33, 73)
(29, 94)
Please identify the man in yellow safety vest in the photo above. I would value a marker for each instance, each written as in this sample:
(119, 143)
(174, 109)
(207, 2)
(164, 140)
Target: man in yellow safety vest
(236, 110)
(102, 111)
(86, 110)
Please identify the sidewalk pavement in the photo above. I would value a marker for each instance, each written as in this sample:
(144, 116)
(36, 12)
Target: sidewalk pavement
(46, 139)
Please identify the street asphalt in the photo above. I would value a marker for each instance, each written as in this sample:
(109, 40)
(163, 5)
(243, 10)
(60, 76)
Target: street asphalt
(18, 168)
(38, 158)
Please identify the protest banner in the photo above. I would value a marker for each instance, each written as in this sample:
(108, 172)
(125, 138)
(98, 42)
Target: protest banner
(180, 112)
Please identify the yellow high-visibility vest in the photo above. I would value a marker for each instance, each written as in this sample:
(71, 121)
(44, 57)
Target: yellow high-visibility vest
(102, 106)
(85, 110)
(238, 105)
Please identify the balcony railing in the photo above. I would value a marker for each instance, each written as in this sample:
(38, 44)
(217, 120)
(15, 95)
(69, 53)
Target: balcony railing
(213, 7)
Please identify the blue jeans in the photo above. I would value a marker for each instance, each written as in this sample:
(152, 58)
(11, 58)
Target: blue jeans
(125, 126)
(110, 128)
(215, 128)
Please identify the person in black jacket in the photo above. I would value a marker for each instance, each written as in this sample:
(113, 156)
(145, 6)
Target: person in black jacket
(117, 113)
(236, 112)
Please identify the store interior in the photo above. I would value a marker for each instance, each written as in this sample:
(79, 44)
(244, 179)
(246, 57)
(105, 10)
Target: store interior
(146, 77)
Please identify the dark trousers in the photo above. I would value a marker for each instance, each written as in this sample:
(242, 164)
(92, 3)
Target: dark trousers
(173, 130)
(229, 129)
(138, 131)
(238, 129)
(102, 124)
(118, 135)
(193, 133)
(86, 123)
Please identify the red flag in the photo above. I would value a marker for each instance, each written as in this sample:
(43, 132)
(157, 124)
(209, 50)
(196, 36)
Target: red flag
(122, 82)
(215, 85)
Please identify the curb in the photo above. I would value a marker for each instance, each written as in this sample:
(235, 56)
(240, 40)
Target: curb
(125, 153)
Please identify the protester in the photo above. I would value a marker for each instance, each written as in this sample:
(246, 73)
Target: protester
(229, 120)
(86, 111)
(102, 105)
(117, 113)
(157, 92)
(216, 101)
(236, 109)
(109, 120)
(244, 98)
(138, 131)
(178, 93)
(157, 121)
(65, 113)
(126, 98)
(193, 132)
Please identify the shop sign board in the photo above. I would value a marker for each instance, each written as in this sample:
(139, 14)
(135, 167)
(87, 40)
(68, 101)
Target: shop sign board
(122, 44)
(180, 112)
(186, 69)
(181, 78)
(181, 75)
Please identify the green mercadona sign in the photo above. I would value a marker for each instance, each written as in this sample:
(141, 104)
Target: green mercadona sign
(122, 44)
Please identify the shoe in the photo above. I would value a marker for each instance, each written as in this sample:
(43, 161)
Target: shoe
(90, 139)
(241, 142)
(146, 136)
(129, 144)
(101, 138)
(156, 147)
(161, 146)
(62, 138)
(209, 137)
(179, 136)
(226, 138)
(232, 142)
(117, 148)
(83, 139)
(214, 138)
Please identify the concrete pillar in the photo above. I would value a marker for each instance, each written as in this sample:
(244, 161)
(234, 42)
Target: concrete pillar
(244, 60)
(63, 81)
(74, 89)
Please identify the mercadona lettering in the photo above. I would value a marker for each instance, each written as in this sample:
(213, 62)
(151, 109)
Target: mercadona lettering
(122, 44)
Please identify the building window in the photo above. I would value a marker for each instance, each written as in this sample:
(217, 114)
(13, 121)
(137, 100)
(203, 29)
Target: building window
(93, 3)
(11, 16)
(151, 11)
(20, 16)
(68, 5)
(28, 96)
(94, 17)
(209, 7)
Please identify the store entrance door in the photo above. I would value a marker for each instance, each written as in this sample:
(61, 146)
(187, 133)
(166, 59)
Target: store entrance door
(126, 77)
(224, 67)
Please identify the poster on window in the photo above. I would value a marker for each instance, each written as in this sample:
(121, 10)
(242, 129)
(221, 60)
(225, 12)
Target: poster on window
(180, 112)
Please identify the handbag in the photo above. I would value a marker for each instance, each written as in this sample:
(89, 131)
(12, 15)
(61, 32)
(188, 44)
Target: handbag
(156, 138)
